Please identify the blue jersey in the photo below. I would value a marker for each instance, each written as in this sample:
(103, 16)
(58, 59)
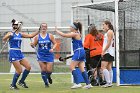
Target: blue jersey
(44, 46)
(79, 52)
(15, 53)
(15, 40)
(77, 44)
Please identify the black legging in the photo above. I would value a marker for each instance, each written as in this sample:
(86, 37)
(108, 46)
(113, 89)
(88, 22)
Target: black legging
(87, 64)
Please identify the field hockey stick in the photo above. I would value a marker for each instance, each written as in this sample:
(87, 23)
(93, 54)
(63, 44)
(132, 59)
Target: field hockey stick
(89, 50)
(36, 51)
(4, 46)
(34, 46)
(8, 39)
(65, 58)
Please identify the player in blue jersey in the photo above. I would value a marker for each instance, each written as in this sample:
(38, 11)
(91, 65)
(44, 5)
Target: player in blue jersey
(16, 57)
(45, 53)
(79, 53)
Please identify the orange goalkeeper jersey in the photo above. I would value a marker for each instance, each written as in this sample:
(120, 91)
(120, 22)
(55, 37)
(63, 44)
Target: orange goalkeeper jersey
(92, 42)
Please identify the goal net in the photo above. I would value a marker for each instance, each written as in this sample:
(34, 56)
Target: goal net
(124, 15)
(63, 49)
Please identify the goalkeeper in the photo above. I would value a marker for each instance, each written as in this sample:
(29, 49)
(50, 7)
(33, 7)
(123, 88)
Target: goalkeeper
(94, 40)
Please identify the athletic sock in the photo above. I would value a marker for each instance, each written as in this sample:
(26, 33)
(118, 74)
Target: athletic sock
(15, 78)
(85, 76)
(44, 77)
(49, 77)
(24, 75)
(74, 73)
(107, 76)
(49, 74)
(111, 76)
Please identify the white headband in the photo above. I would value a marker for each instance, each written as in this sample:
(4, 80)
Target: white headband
(16, 22)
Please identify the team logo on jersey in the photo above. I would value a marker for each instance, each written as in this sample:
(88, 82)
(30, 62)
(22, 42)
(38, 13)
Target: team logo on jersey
(45, 41)
(17, 38)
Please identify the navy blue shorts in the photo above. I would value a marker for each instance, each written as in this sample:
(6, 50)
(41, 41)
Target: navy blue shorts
(15, 55)
(79, 55)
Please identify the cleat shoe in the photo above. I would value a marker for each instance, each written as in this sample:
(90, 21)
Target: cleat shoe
(46, 85)
(88, 86)
(50, 80)
(76, 86)
(110, 85)
(103, 83)
(105, 86)
(14, 87)
(23, 84)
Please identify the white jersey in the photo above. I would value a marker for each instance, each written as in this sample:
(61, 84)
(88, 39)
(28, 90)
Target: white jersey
(111, 49)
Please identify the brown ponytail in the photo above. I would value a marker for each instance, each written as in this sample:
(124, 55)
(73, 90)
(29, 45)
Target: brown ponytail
(78, 25)
(110, 26)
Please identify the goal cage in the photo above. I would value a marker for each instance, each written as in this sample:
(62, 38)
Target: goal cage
(124, 15)
(63, 49)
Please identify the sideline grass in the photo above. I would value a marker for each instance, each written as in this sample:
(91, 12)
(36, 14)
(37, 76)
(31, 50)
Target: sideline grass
(61, 84)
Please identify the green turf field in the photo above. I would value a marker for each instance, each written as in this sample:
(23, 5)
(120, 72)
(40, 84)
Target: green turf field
(61, 84)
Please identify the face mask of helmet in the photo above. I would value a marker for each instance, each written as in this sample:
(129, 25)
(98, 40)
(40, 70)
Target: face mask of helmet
(16, 24)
